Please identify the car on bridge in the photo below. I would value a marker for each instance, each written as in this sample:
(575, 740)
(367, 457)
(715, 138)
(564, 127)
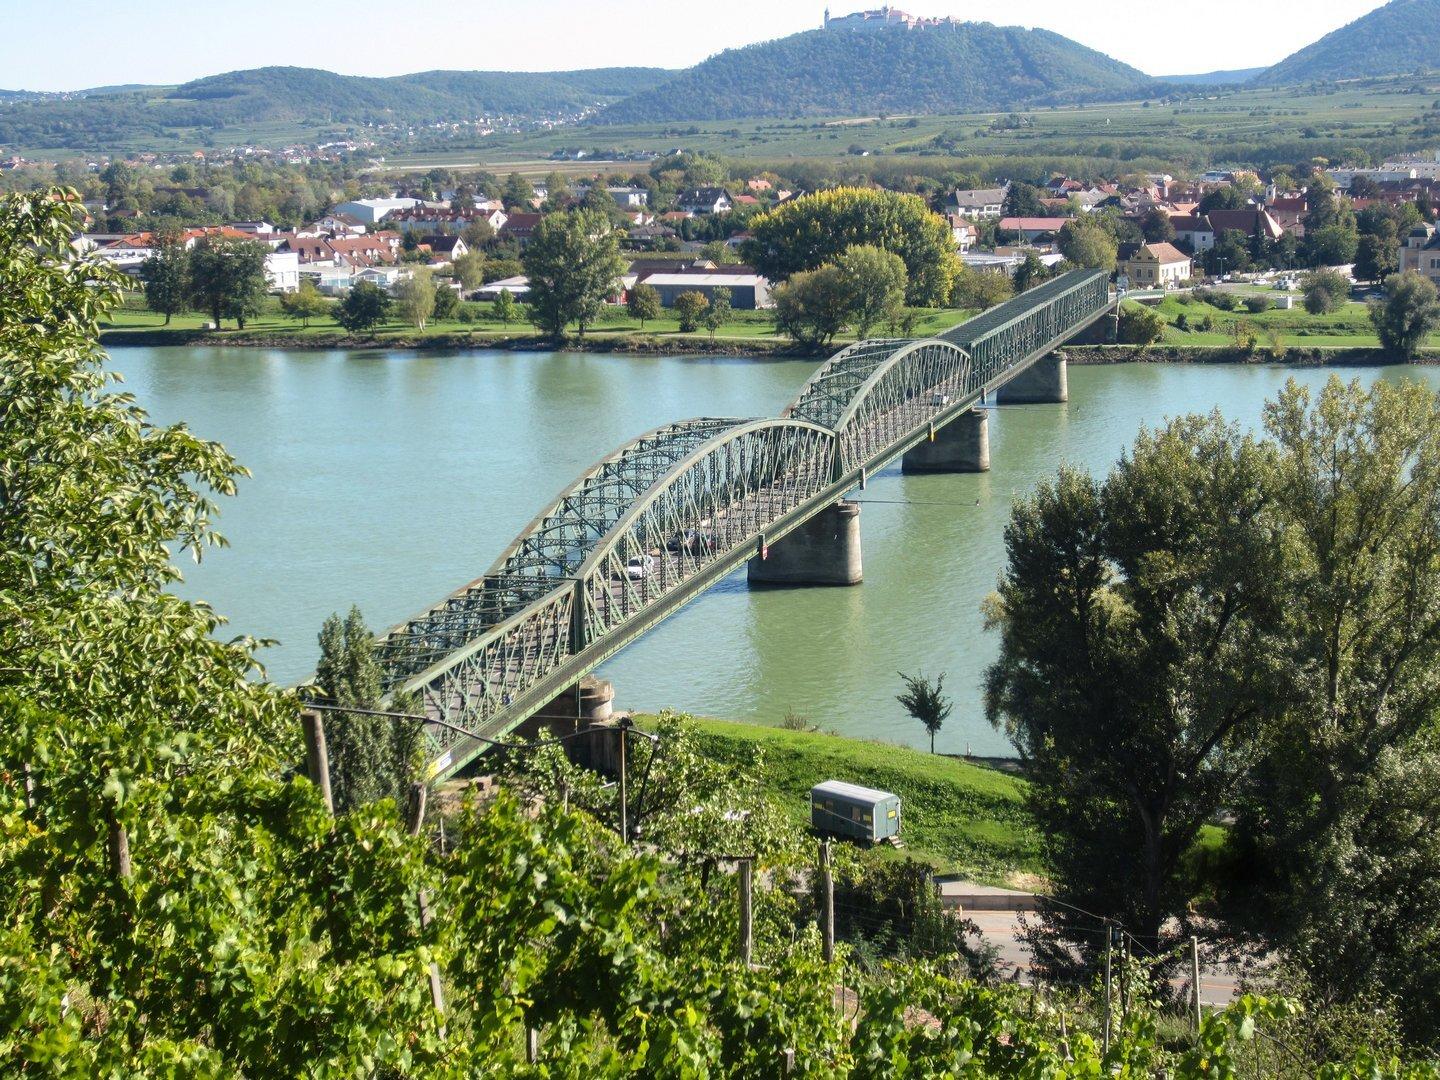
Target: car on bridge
(640, 567)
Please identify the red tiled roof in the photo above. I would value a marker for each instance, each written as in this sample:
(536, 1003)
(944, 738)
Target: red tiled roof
(1033, 224)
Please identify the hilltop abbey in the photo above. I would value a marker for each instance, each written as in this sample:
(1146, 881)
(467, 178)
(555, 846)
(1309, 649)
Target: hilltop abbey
(885, 18)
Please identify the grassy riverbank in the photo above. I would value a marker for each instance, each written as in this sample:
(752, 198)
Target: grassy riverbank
(749, 332)
(962, 817)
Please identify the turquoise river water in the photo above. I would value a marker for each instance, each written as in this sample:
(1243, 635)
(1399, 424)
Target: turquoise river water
(388, 479)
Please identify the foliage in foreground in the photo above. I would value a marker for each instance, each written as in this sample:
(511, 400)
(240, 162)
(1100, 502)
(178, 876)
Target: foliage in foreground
(176, 901)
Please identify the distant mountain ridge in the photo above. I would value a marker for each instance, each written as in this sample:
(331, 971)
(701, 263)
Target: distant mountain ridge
(107, 117)
(1212, 78)
(1398, 39)
(893, 70)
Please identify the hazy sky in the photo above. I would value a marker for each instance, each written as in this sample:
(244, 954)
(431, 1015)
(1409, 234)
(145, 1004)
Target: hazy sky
(73, 44)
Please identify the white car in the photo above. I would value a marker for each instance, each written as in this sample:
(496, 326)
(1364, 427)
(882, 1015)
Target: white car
(640, 567)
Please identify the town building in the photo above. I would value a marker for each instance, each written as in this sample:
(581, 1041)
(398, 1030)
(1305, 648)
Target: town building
(977, 202)
(1034, 228)
(748, 291)
(1421, 252)
(706, 200)
(1153, 266)
(372, 211)
(886, 18)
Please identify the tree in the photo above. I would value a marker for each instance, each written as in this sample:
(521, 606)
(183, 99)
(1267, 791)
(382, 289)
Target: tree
(1231, 253)
(415, 297)
(1408, 315)
(1140, 325)
(719, 311)
(469, 270)
(982, 290)
(1333, 849)
(1157, 227)
(690, 308)
(1331, 245)
(1376, 257)
(476, 235)
(364, 308)
(1023, 200)
(1029, 273)
(1325, 291)
(573, 263)
(166, 275)
(371, 757)
(876, 281)
(227, 278)
(720, 253)
(447, 302)
(926, 702)
(1134, 678)
(813, 306)
(806, 233)
(1086, 242)
(643, 303)
(519, 193)
(305, 303)
(504, 307)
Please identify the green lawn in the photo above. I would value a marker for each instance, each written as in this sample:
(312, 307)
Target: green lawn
(746, 327)
(1344, 329)
(964, 818)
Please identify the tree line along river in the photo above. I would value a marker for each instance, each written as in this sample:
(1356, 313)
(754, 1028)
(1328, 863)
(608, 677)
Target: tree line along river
(388, 479)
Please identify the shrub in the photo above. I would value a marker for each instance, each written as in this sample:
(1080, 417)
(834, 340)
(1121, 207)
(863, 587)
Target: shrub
(1223, 300)
(1256, 304)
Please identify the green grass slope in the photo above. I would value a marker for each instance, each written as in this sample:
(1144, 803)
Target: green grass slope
(820, 73)
(964, 818)
(1396, 39)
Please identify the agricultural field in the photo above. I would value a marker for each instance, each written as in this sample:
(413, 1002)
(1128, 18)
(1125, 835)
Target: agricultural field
(1189, 131)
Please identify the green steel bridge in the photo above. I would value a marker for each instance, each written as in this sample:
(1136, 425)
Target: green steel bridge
(691, 502)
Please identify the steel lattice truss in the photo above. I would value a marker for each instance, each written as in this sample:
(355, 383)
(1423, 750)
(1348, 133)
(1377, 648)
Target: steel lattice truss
(654, 524)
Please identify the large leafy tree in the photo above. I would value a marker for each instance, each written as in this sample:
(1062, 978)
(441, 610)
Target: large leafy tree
(227, 278)
(876, 280)
(573, 263)
(166, 275)
(1086, 242)
(365, 307)
(806, 233)
(1408, 314)
(813, 306)
(1322, 835)
(1138, 618)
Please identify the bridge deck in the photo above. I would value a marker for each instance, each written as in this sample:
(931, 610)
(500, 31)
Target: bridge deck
(656, 523)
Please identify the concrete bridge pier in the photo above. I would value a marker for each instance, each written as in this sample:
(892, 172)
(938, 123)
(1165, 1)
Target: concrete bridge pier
(823, 551)
(961, 446)
(1042, 383)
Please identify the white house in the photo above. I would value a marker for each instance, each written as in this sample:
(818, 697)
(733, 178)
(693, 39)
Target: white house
(282, 271)
(518, 287)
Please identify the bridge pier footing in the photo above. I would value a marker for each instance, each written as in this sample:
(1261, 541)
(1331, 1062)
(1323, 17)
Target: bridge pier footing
(823, 551)
(961, 446)
(1043, 382)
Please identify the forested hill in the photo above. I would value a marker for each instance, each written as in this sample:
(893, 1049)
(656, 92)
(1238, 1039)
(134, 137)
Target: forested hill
(839, 72)
(234, 103)
(1397, 39)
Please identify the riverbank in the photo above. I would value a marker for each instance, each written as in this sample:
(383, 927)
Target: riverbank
(963, 817)
(640, 344)
(634, 344)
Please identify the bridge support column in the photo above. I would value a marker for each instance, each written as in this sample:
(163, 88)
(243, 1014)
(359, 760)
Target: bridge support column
(961, 446)
(823, 551)
(1043, 382)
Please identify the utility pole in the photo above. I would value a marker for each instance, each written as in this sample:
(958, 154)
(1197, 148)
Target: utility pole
(747, 935)
(415, 819)
(317, 755)
(1195, 983)
(827, 904)
(1109, 948)
(624, 730)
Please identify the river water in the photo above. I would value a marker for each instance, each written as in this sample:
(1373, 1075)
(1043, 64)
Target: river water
(387, 479)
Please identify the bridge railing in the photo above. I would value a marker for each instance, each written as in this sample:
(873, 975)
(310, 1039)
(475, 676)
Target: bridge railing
(1010, 333)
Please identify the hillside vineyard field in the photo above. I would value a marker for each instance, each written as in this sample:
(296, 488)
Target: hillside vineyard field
(1382, 117)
